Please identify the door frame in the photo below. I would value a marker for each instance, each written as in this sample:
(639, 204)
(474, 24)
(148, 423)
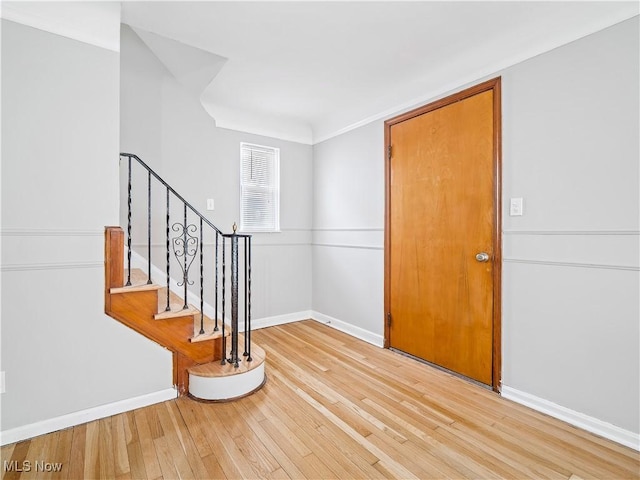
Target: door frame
(494, 85)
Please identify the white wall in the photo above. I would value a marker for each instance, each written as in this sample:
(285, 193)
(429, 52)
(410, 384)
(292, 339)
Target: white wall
(61, 354)
(166, 125)
(570, 274)
(348, 230)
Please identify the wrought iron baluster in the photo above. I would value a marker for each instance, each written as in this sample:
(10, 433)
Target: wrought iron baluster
(129, 226)
(234, 299)
(201, 281)
(248, 332)
(246, 318)
(186, 274)
(224, 270)
(149, 227)
(216, 289)
(168, 308)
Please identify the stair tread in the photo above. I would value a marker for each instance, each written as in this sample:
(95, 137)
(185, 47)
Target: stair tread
(135, 288)
(208, 326)
(215, 369)
(176, 304)
(176, 313)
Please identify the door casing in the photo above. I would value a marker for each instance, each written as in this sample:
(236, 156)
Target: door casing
(495, 85)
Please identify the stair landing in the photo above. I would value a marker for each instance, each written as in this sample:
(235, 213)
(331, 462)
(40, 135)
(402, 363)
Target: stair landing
(215, 382)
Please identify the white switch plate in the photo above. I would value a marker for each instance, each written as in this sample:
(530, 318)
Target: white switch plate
(1, 382)
(210, 204)
(515, 207)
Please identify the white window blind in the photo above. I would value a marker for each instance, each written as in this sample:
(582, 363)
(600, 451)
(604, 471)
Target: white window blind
(259, 188)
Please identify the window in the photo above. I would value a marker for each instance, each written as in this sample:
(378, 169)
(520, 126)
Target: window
(259, 188)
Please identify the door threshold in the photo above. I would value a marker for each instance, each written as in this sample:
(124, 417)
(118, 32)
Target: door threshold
(442, 369)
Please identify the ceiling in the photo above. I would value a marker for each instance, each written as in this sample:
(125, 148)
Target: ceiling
(306, 71)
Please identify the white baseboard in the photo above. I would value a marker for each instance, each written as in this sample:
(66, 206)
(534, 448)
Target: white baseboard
(354, 331)
(279, 319)
(76, 418)
(590, 424)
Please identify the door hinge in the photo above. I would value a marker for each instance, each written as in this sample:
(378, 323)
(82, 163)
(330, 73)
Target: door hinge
(389, 152)
(388, 319)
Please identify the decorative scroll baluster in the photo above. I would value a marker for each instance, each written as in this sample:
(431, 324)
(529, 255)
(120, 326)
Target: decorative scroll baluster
(129, 226)
(168, 308)
(215, 329)
(201, 281)
(149, 227)
(185, 247)
(234, 299)
(248, 293)
(224, 271)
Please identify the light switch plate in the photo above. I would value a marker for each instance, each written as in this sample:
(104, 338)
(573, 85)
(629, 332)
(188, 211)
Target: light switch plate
(210, 204)
(515, 207)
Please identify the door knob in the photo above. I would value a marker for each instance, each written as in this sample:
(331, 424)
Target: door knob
(482, 257)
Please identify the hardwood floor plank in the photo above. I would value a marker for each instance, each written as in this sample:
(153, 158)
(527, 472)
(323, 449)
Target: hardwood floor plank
(19, 453)
(6, 451)
(214, 470)
(398, 468)
(141, 431)
(281, 427)
(333, 407)
(106, 448)
(187, 442)
(92, 451)
(62, 453)
(174, 442)
(282, 451)
(76, 460)
(120, 454)
(226, 453)
(165, 458)
(508, 451)
(137, 467)
(130, 429)
(194, 426)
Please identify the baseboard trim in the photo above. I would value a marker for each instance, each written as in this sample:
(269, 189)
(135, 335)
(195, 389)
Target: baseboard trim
(76, 418)
(279, 319)
(354, 331)
(590, 424)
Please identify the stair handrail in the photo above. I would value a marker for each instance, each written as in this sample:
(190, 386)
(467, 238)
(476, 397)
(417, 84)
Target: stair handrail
(186, 241)
(180, 197)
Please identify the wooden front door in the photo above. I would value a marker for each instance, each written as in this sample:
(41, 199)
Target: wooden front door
(442, 234)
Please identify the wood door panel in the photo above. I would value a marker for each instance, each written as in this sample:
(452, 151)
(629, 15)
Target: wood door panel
(441, 213)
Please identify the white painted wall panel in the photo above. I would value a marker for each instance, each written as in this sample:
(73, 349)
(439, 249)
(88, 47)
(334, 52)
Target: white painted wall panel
(170, 130)
(349, 286)
(570, 285)
(571, 337)
(60, 352)
(571, 150)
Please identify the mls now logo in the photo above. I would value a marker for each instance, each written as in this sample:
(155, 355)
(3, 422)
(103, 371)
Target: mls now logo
(27, 466)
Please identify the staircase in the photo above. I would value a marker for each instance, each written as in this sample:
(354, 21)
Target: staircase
(207, 363)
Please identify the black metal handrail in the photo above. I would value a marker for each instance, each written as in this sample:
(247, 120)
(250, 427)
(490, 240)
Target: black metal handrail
(187, 244)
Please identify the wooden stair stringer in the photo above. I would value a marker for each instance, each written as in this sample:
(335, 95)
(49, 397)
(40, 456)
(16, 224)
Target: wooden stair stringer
(137, 311)
(136, 307)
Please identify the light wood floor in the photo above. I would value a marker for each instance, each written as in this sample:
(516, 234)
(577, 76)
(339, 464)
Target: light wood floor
(333, 407)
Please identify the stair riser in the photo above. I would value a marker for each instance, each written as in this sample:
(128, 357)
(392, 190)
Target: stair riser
(230, 387)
